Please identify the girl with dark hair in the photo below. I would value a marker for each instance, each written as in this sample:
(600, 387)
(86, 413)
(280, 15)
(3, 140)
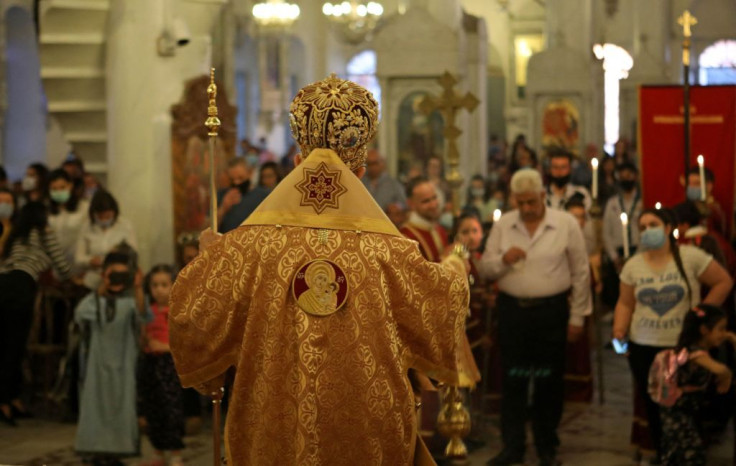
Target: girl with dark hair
(30, 249)
(105, 230)
(67, 213)
(704, 328)
(659, 285)
(159, 386)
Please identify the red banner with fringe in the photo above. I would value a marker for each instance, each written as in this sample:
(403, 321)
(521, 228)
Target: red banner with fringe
(662, 138)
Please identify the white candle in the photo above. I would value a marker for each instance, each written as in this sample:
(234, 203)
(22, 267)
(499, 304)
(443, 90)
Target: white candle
(658, 205)
(625, 230)
(496, 215)
(594, 164)
(701, 166)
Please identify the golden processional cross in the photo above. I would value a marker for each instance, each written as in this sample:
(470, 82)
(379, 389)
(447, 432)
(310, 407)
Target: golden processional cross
(449, 104)
(453, 421)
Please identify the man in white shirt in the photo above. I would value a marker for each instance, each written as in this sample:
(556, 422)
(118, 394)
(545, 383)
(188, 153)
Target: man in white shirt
(538, 257)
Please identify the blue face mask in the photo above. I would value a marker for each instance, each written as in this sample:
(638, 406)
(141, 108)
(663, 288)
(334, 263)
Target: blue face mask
(693, 193)
(6, 211)
(653, 238)
(60, 196)
(446, 220)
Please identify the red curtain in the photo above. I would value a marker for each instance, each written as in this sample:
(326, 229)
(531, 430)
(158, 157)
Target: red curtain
(662, 138)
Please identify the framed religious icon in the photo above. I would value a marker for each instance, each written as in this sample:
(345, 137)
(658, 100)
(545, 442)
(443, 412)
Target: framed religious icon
(420, 136)
(561, 125)
(320, 287)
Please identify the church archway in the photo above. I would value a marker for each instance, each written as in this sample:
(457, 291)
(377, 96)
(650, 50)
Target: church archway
(717, 63)
(24, 132)
(616, 65)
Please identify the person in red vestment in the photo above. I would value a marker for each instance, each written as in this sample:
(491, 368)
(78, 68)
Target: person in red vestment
(422, 225)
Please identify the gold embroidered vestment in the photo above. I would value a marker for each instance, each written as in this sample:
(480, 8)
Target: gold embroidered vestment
(311, 389)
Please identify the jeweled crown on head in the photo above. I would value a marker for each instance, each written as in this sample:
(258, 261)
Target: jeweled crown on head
(334, 114)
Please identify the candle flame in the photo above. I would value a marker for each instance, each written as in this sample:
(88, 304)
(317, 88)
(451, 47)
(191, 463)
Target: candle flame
(658, 205)
(594, 163)
(701, 160)
(676, 233)
(624, 219)
(496, 215)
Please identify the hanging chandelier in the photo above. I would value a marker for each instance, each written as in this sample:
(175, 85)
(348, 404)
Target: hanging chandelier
(275, 13)
(354, 20)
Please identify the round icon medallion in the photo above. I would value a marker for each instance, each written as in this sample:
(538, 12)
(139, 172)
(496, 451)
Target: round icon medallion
(320, 287)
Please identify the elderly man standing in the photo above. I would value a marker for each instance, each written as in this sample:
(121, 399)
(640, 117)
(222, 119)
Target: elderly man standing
(320, 306)
(384, 188)
(538, 256)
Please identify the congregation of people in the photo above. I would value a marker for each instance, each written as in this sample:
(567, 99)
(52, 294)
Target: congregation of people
(537, 264)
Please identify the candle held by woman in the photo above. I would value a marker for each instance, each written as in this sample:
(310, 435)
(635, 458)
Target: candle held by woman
(625, 233)
(701, 166)
(594, 187)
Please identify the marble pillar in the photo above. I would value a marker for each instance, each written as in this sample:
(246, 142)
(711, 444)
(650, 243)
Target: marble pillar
(141, 88)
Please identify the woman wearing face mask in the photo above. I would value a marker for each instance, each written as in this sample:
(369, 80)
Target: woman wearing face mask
(34, 183)
(105, 230)
(479, 198)
(659, 284)
(67, 213)
(7, 209)
(31, 249)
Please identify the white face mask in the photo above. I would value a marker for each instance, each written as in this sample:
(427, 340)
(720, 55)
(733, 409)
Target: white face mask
(29, 183)
(6, 210)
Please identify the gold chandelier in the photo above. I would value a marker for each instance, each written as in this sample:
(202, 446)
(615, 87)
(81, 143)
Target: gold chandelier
(354, 20)
(275, 13)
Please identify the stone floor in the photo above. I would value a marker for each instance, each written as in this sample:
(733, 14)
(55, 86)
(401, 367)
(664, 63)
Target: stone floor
(595, 434)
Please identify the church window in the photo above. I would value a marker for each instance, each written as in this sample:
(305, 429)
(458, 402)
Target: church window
(718, 63)
(525, 45)
(362, 70)
(616, 65)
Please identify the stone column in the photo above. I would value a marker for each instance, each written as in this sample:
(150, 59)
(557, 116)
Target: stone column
(141, 88)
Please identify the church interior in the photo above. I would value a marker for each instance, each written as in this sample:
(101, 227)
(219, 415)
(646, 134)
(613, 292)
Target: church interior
(118, 91)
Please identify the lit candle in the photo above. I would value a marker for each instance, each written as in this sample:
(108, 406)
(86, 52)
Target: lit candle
(625, 230)
(658, 205)
(594, 164)
(496, 215)
(701, 166)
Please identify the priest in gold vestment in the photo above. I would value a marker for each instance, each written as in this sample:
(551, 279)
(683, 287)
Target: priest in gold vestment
(320, 380)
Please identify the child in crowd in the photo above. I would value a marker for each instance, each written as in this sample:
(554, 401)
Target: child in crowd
(704, 328)
(160, 389)
(109, 319)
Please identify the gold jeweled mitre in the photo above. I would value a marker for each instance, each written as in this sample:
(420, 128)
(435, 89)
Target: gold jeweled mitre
(334, 114)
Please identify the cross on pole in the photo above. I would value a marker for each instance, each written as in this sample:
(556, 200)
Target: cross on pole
(686, 21)
(449, 103)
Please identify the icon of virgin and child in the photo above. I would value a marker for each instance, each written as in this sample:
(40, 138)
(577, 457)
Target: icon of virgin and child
(322, 287)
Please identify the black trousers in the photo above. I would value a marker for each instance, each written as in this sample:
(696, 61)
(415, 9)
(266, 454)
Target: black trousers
(17, 294)
(161, 396)
(641, 358)
(532, 340)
